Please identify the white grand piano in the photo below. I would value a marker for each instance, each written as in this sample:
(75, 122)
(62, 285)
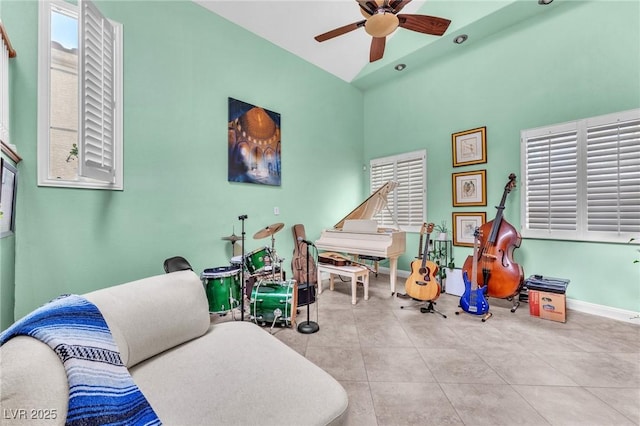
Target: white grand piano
(358, 234)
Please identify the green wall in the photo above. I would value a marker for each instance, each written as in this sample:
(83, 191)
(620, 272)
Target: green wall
(181, 64)
(580, 60)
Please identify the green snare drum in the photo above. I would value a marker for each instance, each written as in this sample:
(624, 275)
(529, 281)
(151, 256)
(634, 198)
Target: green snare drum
(222, 286)
(274, 301)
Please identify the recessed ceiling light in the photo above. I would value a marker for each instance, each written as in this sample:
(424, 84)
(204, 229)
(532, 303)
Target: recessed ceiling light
(460, 39)
(400, 67)
(544, 2)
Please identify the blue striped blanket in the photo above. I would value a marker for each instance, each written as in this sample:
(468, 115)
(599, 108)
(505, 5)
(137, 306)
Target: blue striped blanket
(101, 390)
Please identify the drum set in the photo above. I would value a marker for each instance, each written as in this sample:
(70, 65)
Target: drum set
(271, 298)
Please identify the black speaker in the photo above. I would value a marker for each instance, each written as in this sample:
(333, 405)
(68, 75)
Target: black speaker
(306, 297)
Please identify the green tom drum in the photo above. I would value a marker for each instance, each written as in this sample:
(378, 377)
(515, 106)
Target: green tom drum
(257, 260)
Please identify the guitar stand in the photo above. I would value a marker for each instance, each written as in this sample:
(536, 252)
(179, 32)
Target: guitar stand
(428, 308)
(484, 317)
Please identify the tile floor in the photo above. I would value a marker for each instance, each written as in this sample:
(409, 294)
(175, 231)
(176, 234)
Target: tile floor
(403, 367)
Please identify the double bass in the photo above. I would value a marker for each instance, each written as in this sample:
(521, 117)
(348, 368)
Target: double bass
(496, 268)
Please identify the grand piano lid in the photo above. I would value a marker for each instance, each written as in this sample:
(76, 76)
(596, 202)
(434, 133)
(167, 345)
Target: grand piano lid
(371, 206)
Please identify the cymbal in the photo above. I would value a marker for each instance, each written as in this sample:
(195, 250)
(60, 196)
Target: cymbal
(269, 230)
(233, 238)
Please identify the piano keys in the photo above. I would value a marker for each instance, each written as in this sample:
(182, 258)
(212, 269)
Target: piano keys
(358, 234)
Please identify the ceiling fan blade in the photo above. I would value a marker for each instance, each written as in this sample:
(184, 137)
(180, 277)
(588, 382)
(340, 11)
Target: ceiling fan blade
(397, 5)
(339, 31)
(377, 48)
(424, 24)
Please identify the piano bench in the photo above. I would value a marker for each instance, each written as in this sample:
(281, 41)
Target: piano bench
(358, 274)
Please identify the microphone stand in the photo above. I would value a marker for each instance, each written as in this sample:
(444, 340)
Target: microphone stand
(308, 327)
(242, 289)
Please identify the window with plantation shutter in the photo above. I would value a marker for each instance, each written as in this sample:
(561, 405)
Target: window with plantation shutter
(79, 97)
(407, 202)
(582, 179)
(96, 64)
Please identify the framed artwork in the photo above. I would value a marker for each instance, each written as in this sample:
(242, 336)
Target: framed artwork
(469, 147)
(253, 144)
(8, 177)
(464, 226)
(469, 188)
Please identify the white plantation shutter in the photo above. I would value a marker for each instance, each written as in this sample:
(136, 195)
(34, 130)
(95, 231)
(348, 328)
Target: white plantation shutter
(407, 203)
(410, 192)
(551, 180)
(382, 173)
(613, 177)
(582, 179)
(97, 102)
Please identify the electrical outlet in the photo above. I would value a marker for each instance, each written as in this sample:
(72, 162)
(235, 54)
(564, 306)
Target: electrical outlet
(276, 211)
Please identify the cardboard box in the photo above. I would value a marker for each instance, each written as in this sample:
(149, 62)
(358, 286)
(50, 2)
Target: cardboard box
(551, 306)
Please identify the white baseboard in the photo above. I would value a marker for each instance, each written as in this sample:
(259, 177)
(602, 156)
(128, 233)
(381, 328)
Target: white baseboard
(604, 311)
(573, 304)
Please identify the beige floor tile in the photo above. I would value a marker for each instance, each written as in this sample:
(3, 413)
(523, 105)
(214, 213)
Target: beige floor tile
(524, 368)
(336, 335)
(360, 411)
(625, 400)
(341, 363)
(491, 405)
(395, 365)
(459, 366)
(386, 335)
(412, 404)
(425, 334)
(597, 369)
(570, 406)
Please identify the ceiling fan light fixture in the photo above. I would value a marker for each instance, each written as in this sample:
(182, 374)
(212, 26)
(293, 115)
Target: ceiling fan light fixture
(381, 24)
(400, 67)
(544, 2)
(460, 39)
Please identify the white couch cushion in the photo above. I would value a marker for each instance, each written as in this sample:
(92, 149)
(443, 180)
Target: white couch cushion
(238, 374)
(153, 314)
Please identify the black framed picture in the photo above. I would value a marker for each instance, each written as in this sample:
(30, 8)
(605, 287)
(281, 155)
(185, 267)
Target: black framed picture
(9, 179)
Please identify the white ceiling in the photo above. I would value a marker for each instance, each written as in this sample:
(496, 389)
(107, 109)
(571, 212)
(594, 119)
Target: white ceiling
(292, 25)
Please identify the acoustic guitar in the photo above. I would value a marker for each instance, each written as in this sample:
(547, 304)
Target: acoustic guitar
(473, 300)
(337, 259)
(422, 283)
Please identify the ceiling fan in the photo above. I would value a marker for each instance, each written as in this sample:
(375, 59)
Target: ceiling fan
(381, 19)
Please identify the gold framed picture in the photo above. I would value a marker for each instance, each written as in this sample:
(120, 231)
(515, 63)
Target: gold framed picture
(469, 147)
(469, 188)
(464, 226)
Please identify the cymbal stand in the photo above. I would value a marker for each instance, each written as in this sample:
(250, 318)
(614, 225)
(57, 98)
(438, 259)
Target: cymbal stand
(275, 259)
(242, 218)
